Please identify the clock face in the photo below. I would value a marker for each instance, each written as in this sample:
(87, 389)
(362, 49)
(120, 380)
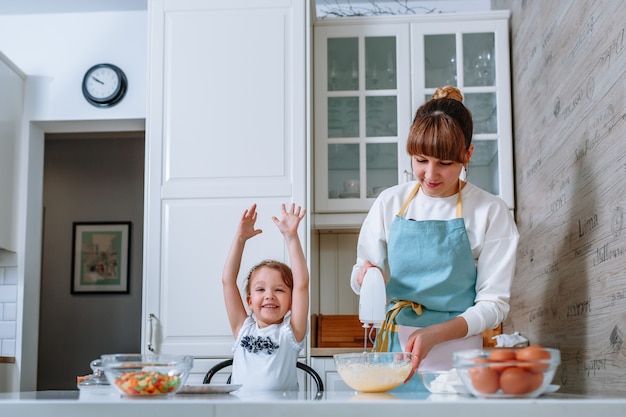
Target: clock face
(104, 85)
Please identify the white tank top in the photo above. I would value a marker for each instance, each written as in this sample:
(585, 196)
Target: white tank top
(265, 359)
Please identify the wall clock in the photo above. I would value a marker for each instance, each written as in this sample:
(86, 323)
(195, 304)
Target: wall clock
(104, 85)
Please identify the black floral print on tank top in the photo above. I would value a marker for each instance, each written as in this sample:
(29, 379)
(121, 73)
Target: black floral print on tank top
(259, 344)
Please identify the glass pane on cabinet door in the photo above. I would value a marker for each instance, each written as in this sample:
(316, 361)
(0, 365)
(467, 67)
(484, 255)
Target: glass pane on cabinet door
(483, 168)
(381, 116)
(343, 64)
(382, 167)
(343, 171)
(380, 63)
(439, 60)
(479, 59)
(484, 111)
(343, 117)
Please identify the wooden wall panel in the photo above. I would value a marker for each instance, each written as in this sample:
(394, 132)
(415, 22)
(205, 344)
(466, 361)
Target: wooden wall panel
(569, 100)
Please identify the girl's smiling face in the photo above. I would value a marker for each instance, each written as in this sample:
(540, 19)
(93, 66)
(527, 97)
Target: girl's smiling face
(438, 178)
(270, 296)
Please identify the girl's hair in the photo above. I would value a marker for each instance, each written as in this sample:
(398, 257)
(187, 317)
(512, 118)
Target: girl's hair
(282, 268)
(442, 127)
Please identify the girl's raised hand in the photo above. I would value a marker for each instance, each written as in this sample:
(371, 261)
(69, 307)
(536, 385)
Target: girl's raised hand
(288, 224)
(246, 228)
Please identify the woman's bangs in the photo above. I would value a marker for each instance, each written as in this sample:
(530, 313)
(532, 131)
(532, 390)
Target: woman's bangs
(431, 141)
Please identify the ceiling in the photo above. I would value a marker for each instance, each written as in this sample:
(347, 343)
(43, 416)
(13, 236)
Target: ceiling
(80, 6)
(69, 6)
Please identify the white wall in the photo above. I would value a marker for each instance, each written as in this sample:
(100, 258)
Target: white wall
(8, 319)
(8, 299)
(11, 105)
(55, 50)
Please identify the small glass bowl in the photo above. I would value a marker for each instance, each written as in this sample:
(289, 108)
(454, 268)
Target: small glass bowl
(149, 375)
(441, 382)
(96, 383)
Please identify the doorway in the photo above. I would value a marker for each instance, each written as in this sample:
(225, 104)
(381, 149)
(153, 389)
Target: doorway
(87, 177)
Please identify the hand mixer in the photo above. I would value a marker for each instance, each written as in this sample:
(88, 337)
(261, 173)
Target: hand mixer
(372, 301)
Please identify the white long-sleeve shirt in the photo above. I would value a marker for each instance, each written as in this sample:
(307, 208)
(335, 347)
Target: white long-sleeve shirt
(492, 234)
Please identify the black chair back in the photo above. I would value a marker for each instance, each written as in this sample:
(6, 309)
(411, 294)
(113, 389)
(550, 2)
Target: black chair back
(304, 367)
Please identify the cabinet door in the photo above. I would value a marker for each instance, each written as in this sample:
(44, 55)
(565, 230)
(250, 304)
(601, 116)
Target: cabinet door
(11, 99)
(226, 128)
(327, 370)
(472, 55)
(361, 111)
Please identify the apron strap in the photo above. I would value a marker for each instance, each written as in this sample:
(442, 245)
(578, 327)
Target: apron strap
(459, 202)
(414, 191)
(388, 326)
(411, 196)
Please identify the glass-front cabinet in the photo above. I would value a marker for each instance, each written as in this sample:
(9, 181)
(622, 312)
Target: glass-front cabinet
(475, 58)
(362, 104)
(370, 76)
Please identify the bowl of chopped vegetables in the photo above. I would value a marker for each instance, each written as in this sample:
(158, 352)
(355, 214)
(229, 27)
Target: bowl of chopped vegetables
(147, 375)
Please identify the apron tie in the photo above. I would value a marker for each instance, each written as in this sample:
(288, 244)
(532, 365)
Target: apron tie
(382, 337)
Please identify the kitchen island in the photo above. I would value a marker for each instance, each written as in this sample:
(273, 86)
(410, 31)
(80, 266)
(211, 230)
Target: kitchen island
(344, 404)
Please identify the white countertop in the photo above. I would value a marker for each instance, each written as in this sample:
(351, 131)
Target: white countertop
(344, 404)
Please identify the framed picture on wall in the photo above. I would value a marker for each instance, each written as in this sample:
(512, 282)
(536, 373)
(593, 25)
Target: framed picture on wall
(100, 257)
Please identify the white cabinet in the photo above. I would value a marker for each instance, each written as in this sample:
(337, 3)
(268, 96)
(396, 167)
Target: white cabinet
(325, 367)
(226, 128)
(362, 102)
(371, 74)
(11, 103)
(473, 55)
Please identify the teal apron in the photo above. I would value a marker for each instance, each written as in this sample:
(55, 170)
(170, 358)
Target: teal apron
(432, 276)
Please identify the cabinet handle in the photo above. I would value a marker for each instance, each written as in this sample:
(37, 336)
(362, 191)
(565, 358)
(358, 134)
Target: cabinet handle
(151, 320)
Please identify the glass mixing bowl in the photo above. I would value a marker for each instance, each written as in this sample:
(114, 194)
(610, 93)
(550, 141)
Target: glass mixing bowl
(146, 375)
(373, 371)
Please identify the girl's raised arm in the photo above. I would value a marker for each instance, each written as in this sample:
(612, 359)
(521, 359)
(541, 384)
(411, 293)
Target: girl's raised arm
(232, 297)
(288, 226)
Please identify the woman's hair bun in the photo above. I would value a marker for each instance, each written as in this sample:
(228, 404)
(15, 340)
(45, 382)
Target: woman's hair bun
(448, 91)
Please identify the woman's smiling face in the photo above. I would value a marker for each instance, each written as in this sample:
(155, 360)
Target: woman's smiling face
(438, 178)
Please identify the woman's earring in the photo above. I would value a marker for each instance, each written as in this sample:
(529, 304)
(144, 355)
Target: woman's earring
(465, 173)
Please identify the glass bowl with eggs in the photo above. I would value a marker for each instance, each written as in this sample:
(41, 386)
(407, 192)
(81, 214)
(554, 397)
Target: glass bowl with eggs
(507, 372)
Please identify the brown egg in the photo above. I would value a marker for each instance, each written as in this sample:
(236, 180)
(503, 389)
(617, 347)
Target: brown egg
(484, 379)
(502, 355)
(533, 353)
(515, 381)
(536, 379)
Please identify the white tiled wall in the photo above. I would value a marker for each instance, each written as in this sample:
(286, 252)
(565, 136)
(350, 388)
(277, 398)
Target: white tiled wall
(8, 309)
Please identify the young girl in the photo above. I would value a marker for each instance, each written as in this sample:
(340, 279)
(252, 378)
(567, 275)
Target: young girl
(268, 341)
